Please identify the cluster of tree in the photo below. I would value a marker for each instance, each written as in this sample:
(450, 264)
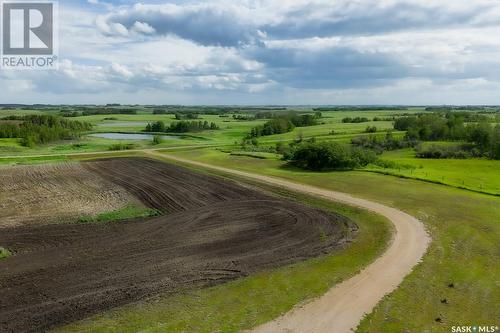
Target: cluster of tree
(9, 130)
(371, 129)
(186, 115)
(283, 124)
(191, 126)
(242, 117)
(435, 127)
(69, 114)
(158, 126)
(108, 111)
(181, 126)
(294, 115)
(42, 129)
(303, 120)
(355, 120)
(273, 126)
(384, 118)
(442, 152)
(470, 117)
(320, 156)
(208, 110)
(447, 108)
(362, 108)
(159, 111)
(381, 144)
(177, 109)
(265, 115)
(96, 111)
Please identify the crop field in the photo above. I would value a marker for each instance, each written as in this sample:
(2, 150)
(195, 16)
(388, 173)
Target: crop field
(59, 192)
(211, 231)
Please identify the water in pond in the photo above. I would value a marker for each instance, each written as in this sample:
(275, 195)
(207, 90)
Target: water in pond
(129, 136)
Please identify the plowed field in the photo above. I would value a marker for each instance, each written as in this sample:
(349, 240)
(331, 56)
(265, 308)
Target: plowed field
(213, 231)
(62, 192)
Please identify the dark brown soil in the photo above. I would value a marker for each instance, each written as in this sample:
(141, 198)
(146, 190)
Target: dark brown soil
(214, 231)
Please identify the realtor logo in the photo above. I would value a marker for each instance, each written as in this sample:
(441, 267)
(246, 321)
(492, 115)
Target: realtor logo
(29, 31)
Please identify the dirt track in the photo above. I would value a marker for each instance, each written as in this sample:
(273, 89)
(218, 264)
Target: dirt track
(215, 231)
(342, 307)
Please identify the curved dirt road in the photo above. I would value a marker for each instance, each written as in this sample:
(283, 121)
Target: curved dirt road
(342, 307)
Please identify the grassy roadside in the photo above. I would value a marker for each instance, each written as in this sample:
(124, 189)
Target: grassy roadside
(126, 213)
(253, 300)
(465, 252)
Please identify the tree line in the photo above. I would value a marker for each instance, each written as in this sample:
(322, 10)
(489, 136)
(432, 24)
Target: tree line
(41, 129)
(181, 126)
(283, 124)
(355, 120)
(451, 127)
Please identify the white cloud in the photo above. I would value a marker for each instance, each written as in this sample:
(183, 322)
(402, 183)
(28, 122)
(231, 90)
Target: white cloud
(121, 71)
(144, 28)
(291, 51)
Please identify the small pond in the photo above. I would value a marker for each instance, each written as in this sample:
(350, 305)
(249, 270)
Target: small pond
(130, 136)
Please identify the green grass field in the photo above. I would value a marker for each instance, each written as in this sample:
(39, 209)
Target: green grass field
(126, 213)
(231, 130)
(465, 231)
(476, 174)
(253, 300)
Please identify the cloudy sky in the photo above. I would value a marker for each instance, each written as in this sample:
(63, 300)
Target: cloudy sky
(270, 52)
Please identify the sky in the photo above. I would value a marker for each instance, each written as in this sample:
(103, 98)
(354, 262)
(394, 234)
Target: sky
(255, 52)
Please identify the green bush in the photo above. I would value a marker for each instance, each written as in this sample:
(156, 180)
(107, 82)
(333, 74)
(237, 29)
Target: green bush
(320, 156)
(122, 146)
(157, 140)
(381, 144)
(442, 152)
(4, 253)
